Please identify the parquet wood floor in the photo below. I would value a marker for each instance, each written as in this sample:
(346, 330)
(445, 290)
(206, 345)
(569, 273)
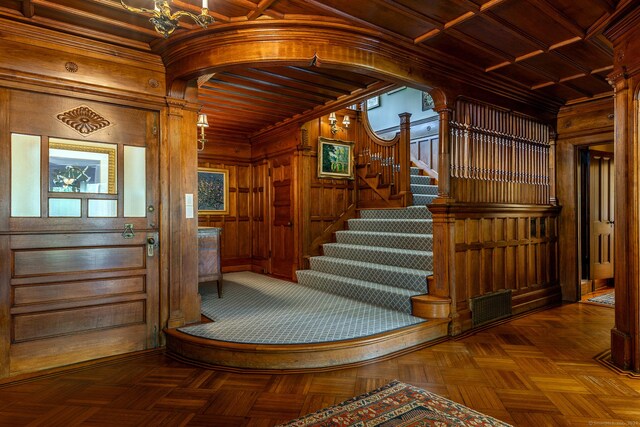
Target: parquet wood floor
(534, 371)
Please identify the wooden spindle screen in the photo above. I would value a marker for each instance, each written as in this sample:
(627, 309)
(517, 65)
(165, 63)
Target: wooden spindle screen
(498, 156)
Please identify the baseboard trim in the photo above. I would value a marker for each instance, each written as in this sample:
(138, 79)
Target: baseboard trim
(77, 367)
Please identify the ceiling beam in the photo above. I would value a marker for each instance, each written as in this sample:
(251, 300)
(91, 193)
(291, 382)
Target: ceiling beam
(460, 19)
(360, 21)
(259, 9)
(552, 12)
(272, 77)
(411, 13)
(27, 8)
(269, 87)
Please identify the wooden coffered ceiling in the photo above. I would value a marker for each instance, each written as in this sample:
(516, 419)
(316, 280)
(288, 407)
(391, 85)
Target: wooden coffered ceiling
(551, 49)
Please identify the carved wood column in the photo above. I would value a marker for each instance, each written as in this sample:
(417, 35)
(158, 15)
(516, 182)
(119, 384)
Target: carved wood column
(405, 158)
(180, 255)
(625, 339)
(444, 220)
(444, 160)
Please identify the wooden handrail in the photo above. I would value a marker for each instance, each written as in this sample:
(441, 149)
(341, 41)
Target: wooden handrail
(424, 167)
(386, 160)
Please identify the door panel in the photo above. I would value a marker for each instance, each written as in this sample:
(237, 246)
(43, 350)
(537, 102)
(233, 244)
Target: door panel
(282, 238)
(601, 189)
(79, 288)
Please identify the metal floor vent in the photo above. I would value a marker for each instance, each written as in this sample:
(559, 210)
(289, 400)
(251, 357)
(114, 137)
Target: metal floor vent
(489, 307)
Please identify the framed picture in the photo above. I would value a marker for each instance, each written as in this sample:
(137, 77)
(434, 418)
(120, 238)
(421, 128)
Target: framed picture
(427, 101)
(335, 159)
(373, 102)
(82, 167)
(213, 191)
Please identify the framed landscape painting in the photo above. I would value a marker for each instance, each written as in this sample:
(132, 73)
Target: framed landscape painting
(335, 159)
(213, 191)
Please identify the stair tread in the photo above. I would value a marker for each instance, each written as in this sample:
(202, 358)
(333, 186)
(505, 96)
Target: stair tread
(385, 233)
(381, 249)
(363, 283)
(386, 220)
(378, 266)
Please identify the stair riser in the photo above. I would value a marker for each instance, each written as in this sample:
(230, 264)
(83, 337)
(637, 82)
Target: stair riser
(412, 281)
(413, 213)
(407, 226)
(421, 180)
(381, 298)
(418, 262)
(424, 189)
(414, 242)
(422, 199)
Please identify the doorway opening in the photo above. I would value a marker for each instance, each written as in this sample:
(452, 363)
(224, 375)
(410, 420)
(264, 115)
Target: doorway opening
(596, 178)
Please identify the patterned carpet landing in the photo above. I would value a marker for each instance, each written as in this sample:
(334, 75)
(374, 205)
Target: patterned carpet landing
(396, 405)
(258, 309)
(605, 299)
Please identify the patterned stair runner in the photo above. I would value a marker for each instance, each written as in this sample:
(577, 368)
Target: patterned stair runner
(384, 257)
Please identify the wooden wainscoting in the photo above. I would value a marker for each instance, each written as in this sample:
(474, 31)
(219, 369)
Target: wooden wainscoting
(82, 296)
(237, 223)
(505, 247)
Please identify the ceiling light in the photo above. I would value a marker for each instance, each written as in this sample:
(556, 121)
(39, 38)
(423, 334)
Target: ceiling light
(166, 22)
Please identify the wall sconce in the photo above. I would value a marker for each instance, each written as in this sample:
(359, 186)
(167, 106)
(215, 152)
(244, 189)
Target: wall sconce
(166, 22)
(203, 122)
(334, 127)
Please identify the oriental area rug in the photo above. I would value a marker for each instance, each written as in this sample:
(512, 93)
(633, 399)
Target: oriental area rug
(608, 299)
(396, 405)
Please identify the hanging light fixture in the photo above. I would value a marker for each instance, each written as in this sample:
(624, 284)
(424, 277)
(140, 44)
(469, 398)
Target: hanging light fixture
(166, 22)
(203, 122)
(334, 127)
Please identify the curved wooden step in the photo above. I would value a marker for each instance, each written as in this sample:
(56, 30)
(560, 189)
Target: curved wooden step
(303, 357)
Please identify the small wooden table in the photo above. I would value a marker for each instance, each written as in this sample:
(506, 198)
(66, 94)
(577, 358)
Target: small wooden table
(209, 268)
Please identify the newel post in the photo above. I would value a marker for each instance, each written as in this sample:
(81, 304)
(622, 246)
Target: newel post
(444, 219)
(405, 159)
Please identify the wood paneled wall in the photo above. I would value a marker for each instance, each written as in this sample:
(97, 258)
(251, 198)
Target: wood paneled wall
(237, 223)
(498, 156)
(426, 149)
(326, 203)
(502, 247)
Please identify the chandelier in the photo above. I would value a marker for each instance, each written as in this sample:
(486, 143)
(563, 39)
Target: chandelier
(166, 22)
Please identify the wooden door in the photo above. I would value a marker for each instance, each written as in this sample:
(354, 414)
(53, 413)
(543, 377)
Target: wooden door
(601, 195)
(80, 262)
(282, 253)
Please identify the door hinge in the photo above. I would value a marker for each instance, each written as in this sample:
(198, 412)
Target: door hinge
(268, 171)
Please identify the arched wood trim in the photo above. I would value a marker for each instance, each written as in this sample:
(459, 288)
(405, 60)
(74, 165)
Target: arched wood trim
(366, 125)
(296, 44)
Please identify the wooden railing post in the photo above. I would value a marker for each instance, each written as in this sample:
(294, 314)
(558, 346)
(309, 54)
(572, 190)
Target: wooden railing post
(444, 161)
(405, 159)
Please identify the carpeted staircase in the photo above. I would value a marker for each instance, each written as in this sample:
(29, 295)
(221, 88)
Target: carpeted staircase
(384, 257)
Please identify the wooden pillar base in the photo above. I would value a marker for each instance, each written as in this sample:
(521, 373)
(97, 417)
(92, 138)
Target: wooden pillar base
(620, 349)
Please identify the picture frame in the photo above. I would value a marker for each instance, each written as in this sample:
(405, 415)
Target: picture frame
(427, 101)
(213, 191)
(82, 167)
(335, 159)
(373, 102)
